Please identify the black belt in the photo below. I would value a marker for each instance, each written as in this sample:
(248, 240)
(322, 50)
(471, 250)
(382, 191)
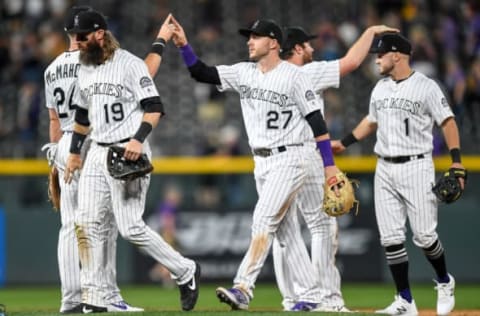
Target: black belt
(266, 152)
(117, 142)
(402, 159)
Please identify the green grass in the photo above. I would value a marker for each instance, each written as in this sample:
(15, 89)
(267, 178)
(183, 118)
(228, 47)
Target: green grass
(44, 301)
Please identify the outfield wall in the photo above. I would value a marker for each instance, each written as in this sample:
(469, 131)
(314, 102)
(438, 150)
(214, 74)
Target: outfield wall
(218, 235)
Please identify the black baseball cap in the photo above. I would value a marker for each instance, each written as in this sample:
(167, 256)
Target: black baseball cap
(295, 35)
(391, 42)
(70, 16)
(264, 28)
(88, 21)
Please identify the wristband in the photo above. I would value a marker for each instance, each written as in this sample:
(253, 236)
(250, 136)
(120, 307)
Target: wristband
(77, 142)
(158, 45)
(143, 131)
(348, 140)
(455, 154)
(188, 55)
(325, 149)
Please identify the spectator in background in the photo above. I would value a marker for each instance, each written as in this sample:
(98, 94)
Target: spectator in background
(472, 97)
(423, 53)
(471, 14)
(328, 45)
(455, 84)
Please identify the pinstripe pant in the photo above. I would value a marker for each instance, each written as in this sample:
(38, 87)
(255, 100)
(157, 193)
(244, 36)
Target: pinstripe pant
(280, 181)
(323, 230)
(67, 253)
(404, 190)
(102, 197)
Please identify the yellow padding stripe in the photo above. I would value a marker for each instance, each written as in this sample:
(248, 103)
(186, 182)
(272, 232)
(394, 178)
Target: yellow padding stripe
(224, 165)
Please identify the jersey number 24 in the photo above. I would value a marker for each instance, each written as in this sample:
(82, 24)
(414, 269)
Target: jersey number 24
(60, 97)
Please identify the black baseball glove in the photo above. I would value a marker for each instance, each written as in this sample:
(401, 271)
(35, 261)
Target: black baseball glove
(448, 189)
(123, 169)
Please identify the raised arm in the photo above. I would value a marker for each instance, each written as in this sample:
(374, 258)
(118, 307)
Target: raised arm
(198, 70)
(357, 53)
(154, 58)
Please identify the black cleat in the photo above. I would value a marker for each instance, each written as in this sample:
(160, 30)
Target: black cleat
(189, 290)
(87, 309)
(75, 310)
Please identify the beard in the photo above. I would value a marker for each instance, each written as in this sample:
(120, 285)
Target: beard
(92, 55)
(386, 70)
(307, 58)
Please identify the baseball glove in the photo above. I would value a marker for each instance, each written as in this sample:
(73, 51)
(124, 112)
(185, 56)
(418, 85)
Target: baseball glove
(448, 189)
(335, 205)
(54, 188)
(51, 152)
(123, 169)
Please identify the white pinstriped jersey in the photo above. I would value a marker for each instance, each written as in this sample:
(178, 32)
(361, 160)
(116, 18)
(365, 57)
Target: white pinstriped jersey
(60, 77)
(112, 93)
(405, 113)
(324, 75)
(274, 103)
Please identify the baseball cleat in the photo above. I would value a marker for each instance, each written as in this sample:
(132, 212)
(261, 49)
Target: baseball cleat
(74, 310)
(400, 307)
(123, 306)
(333, 308)
(234, 297)
(445, 296)
(87, 309)
(303, 306)
(189, 290)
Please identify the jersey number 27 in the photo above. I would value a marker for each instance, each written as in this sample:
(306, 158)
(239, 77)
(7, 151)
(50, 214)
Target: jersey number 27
(274, 117)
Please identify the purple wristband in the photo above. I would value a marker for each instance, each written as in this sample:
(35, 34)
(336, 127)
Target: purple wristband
(188, 55)
(326, 152)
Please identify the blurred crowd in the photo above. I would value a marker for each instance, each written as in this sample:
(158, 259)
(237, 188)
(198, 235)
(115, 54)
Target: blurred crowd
(445, 35)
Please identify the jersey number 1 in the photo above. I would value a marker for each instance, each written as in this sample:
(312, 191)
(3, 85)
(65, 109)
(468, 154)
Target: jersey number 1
(407, 127)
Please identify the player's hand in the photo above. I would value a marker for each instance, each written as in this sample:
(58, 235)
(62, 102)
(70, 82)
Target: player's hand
(460, 179)
(379, 29)
(133, 150)
(74, 164)
(337, 146)
(179, 38)
(166, 30)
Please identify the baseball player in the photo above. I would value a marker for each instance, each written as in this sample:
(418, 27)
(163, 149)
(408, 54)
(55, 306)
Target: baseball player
(403, 108)
(60, 78)
(280, 111)
(297, 50)
(118, 101)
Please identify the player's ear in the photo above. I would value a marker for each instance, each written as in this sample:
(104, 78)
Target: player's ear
(298, 49)
(274, 44)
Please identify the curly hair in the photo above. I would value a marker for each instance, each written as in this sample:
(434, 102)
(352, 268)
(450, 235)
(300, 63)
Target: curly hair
(110, 45)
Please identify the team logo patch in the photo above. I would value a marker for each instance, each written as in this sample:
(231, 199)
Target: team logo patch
(145, 82)
(444, 103)
(309, 95)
